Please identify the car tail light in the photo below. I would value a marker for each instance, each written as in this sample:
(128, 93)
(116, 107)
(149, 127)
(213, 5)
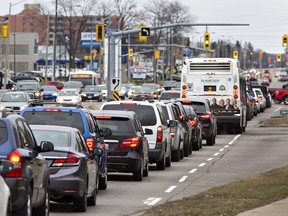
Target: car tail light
(180, 117)
(159, 136)
(16, 158)
(90, 143)
(130, 143)
(172, 131)
(71, 160)
(192, 122)
(51, 110)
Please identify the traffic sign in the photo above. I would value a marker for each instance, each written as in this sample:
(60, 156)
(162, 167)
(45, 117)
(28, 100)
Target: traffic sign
(116, 96)
(145, 32)
(115, 84)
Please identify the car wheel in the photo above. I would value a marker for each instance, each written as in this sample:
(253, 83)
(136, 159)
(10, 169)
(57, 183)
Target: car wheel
(138, 174)
(103, 182)
(161, 164)
(211, 140)
(277, 101)
(175, 155)
(285, 101)
(196, 145)
(146, 170)
(91, 201)
(44, 208)
(80, 204)
(27, 208)
(186, 150)
(182, 153)
(168, 160)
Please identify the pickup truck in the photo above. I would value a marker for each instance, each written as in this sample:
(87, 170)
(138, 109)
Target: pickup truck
(273, 90)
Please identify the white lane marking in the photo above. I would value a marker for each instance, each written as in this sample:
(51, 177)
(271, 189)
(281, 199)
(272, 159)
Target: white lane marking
(202, 164)
(193, 170)
(209, 159)
(277, 109)
(216, 154)
(170, 189)
(183, 178)
(221, 149)
(152, 200)
(226, 146)
(234, 139)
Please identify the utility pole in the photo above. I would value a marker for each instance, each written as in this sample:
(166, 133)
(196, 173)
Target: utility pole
(54, 40)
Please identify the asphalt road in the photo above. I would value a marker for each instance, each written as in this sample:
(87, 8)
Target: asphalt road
(233, 157)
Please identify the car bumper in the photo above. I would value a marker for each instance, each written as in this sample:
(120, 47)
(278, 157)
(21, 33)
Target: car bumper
(91, 98)
(19, 191)
(49, 97)
(123, 164)
(68, 184)
(228, 121)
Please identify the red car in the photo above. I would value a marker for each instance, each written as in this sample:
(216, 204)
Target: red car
(59, 85)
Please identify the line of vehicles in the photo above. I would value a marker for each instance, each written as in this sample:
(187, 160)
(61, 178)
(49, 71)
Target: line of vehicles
(64, 154)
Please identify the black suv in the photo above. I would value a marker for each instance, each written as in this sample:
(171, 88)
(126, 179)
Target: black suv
(206, 117)
(29, 179)
(128, 147)
(33, 88)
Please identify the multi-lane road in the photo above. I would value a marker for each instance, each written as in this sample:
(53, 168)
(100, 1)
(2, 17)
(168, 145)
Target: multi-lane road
(233, 157)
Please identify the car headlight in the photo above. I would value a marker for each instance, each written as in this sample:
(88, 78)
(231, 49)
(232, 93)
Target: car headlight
(37, 94)
(95, 95)
(2, 108)
(84, 95)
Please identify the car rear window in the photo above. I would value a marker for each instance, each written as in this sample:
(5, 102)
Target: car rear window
(3, 132)
(118, 126)
(199, 107)
(70, 119)
(146, 114)
(169, 95)
(60, 139)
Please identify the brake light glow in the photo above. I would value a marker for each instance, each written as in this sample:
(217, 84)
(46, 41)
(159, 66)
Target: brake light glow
(16, 158)
(51, 110)
(192, 122)
(102, 117)
(130, 143)
(186, 101)
(90, 143)
(71, 160)
(205, 116)
(159, 136)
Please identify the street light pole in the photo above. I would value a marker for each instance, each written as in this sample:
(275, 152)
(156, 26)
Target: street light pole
(14, 55)
(54, 40)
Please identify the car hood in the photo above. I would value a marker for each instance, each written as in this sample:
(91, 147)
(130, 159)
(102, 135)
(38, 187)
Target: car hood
(14, 104)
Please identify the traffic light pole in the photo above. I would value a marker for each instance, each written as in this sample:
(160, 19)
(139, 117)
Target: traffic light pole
(112, 45)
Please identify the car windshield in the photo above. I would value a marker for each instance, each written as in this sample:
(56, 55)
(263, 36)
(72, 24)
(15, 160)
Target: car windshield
(48, 117)
(118, 126)
(28, 86)
(102, 87)
(60, 139)
(49, 88)
(143, 91)
(12, 97)
(68, 93)
(91, 89)
(169, 95)
(199, 107)
(145, 113)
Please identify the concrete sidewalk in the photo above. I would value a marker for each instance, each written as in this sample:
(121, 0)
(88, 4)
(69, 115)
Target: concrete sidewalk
(279, 208)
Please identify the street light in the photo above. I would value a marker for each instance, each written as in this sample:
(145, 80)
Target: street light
(14, 35)
(54, 40)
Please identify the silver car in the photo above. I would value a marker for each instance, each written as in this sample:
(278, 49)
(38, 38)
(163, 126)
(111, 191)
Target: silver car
(69, 96)
(15, 101)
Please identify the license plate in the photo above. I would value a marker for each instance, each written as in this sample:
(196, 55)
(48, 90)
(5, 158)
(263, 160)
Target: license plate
(89, 97)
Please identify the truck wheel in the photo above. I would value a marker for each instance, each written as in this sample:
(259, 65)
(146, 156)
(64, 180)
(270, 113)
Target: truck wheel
(277, 101)
(285, 101)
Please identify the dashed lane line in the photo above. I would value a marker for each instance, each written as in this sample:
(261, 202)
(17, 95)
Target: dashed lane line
(170, 189)
(183, 178)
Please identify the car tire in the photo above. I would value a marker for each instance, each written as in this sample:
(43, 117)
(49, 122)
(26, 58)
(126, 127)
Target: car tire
(44, 208)
(182, 153)
(103, 182)
(160, 165)
(168, 160)
(138, 174)
(277, 101)
(285, 100)
(27, 208)
(80, 204)
(175, 155)
(146, 170)
(211, 140)
(91, 201)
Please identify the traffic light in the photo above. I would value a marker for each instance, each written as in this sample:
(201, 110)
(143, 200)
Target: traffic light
(130, 53)
(206, 40)
(5, 30)
(285, 41)
(278, 57)
(100, 28)
(260, 55)
(156, 54)
(235, 54)
(142, 38)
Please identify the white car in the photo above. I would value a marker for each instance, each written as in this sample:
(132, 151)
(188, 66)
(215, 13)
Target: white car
(104, 90)
(259, 97)
(132, 90)
(5, 201)
(69, 96)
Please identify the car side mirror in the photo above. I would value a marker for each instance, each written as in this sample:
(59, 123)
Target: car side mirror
(5, 167)
(173, 123)
(106, 132)
(148, 131)
(46, 146)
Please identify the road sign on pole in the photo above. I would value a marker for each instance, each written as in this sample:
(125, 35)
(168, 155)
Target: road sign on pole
(115, 84)
(116, 96)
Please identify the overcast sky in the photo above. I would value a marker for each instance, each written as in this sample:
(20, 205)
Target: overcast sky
(267, 18)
